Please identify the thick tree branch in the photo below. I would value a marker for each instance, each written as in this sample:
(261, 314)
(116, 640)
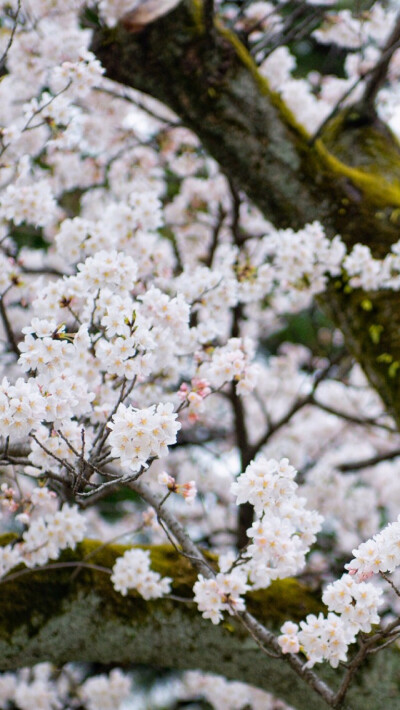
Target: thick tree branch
(58, 617)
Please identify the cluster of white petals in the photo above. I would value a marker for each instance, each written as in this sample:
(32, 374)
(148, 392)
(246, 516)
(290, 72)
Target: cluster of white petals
(222, 593)
(353, 607)
(138, 435)
(34, 204)
(371, 274)
(43, 688)
(280, 536)
(353, 33)
(379, 554)
(308, 266)
(233, 363)
(46, 535)
(223, 694)
(22, 407)
(39, 693)
(283, 529)
(106, 692)
(132, 571)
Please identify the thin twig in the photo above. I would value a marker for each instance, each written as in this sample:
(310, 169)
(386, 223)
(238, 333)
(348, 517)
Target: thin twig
(49, 568)
(138, 104)
(353, 418)
(7, 327)
(11, 38)
(297, 405)
(61, 461)
(378, 74)
(389, 581)
(391, 640)
(371, 461)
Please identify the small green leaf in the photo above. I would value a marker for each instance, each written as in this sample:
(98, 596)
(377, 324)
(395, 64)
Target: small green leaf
(375, 332)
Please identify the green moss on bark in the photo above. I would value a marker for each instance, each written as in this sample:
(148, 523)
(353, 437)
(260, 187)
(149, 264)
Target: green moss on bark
(56, 615)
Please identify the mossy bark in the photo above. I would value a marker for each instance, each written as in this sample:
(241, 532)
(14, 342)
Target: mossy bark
(349, 178)
(58, 616)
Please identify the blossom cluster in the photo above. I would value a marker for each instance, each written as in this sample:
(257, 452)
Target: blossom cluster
(308, 266)
(219, 594)
(379, 554)
(227, 695)
(45, 688)
(44, 538)
(132, 571)
(21, 407)
(369, 273)
(233, 363)
(280, 537)
(61, 366)
(138, 435)
(283, 529)
(105, 692)
(34, 204)
(353, 607)
(194, 396)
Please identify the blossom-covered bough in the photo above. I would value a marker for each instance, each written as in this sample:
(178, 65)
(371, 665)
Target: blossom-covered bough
(180, 487)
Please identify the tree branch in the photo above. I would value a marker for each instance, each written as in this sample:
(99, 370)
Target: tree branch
(378, 75)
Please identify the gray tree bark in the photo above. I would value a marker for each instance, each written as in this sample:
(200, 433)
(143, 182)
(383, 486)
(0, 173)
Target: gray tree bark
(59, 616)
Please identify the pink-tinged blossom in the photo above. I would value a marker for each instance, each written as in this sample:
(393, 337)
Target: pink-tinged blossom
(187, 490)
(194, 395)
